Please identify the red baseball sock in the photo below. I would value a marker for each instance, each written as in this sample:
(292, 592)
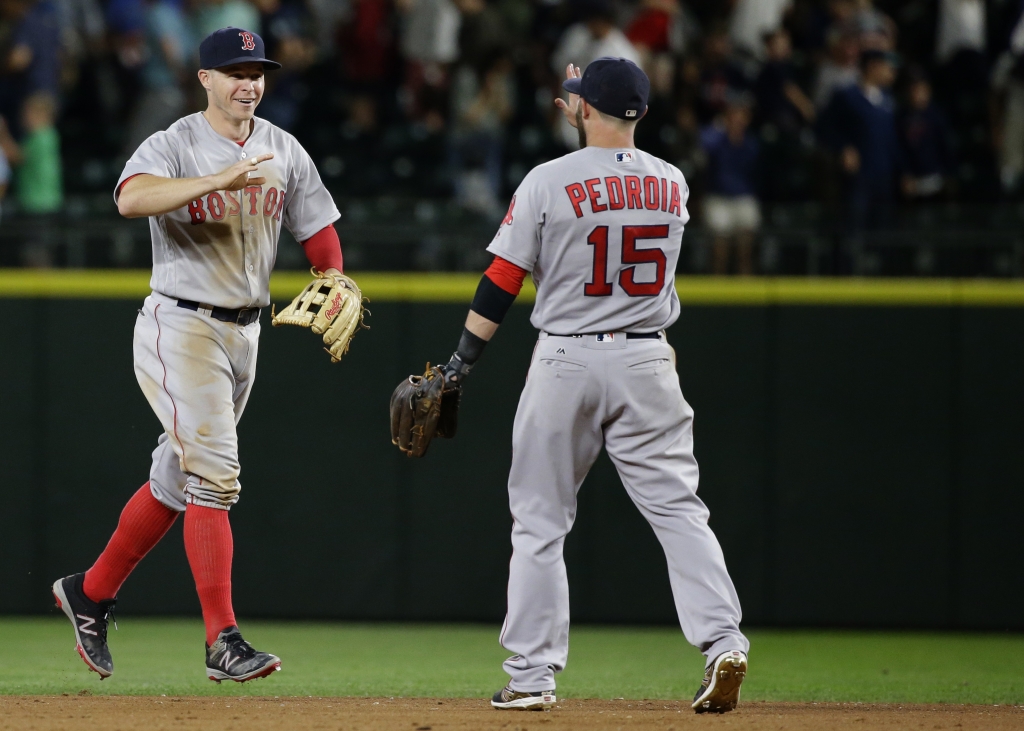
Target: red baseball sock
(209, 547)
(144, 521)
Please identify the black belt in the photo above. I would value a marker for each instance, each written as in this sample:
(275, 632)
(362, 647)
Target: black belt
(239, 317)
(629, 336)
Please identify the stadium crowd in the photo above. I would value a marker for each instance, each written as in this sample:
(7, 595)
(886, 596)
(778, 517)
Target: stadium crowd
(862, 106)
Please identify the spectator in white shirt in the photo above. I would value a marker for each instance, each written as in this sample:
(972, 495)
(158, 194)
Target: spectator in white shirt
(595, 36)
(1008, 85)
(752, 20)
(960, 53)
(839, 70)
(429, 43)
(961, 27)
(430, 30)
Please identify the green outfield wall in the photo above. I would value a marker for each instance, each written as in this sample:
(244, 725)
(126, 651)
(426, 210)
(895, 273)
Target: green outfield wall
(860, 445)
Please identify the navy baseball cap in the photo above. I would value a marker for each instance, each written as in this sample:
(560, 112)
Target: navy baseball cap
(233, 45)
(615, 86)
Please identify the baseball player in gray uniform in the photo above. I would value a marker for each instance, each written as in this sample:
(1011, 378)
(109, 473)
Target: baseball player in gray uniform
(217, 186)
(600, 230)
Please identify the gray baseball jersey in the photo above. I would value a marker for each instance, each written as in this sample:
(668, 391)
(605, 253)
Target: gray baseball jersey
(221, 248)
(197, 371)
(601, 230)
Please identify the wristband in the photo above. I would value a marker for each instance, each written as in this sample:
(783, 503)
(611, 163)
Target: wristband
(471, 347)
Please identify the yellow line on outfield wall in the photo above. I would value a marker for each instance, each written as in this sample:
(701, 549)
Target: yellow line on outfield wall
(850, 291)
(459, 288)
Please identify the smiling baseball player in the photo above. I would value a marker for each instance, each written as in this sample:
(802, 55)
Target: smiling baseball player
(600, 230)
(217, 186)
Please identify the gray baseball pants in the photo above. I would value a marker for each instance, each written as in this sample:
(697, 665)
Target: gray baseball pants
(583, 393)
(196, 373)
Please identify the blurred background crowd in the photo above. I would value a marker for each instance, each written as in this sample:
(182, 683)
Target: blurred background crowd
(818, 136)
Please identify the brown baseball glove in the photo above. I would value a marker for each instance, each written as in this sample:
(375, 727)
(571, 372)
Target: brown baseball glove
(331, 305)
(424, 407)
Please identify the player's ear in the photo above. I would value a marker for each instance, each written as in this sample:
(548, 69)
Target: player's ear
(204, 78)
(643, 115)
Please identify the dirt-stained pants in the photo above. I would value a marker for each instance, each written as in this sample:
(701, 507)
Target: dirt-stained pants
(196, 373)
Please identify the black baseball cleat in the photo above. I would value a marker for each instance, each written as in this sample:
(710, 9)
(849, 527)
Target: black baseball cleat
(232, 658)
(720, 690)
(89, 619)
(536, 701)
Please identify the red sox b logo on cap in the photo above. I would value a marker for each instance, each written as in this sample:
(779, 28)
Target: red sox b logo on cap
(248, 42)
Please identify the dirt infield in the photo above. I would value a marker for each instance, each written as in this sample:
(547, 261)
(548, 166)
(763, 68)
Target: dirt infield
(126, 713)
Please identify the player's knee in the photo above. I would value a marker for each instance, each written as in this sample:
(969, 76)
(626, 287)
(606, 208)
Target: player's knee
(173, 498)
(540, 543)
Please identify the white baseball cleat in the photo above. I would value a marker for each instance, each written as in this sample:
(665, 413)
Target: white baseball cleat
(720, 690)
(523, 700)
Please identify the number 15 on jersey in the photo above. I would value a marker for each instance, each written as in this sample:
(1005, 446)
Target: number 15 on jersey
(632, 255)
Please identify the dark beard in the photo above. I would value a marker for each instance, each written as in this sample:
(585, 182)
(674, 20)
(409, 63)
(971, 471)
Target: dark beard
(579, 126)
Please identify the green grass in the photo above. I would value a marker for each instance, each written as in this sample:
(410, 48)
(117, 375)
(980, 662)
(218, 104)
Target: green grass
(155, 657)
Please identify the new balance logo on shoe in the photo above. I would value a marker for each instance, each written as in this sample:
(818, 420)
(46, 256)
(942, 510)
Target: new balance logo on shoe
(84, 626)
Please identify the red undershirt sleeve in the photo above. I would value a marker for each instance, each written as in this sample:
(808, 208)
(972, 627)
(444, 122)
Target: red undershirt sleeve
(121, 186)
(506, 275)
(498, 289)
(323, 249)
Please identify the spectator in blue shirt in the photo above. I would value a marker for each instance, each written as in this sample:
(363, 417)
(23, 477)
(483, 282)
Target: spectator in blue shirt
(290, 44)
(35, 51)
(780, 100)
(170, 59)
(924, 134)
(721, 75)
(126, 23)
(731, 208)
(32, 64)
(6, 143)
(859, 126)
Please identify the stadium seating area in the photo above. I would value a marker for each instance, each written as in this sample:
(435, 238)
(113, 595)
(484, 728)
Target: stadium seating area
(423, 116)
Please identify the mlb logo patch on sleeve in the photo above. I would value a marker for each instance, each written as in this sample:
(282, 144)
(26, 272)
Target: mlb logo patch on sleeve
(623, 157)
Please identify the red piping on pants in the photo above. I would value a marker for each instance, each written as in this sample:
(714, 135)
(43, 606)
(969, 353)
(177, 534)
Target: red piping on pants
(174, 406)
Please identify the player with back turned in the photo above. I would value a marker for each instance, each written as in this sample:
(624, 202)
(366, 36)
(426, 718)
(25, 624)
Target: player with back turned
(217, 187)
(600, 230)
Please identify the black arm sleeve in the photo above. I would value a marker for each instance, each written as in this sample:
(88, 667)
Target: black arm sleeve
(491, 301)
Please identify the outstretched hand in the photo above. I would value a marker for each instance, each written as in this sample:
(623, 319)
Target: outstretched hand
(569, 108)
(240, 175)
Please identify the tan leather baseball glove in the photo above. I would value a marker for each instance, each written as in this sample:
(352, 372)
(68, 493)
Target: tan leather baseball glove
(331, 305)
(424, 407)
